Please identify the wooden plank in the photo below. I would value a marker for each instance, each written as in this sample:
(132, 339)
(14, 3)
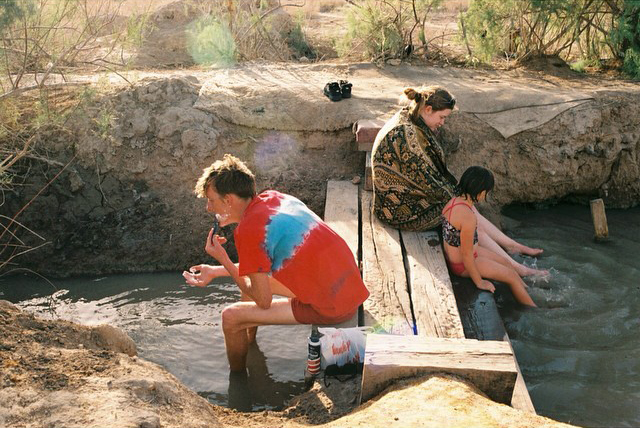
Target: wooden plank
(478, 311)
(599, 218)
(368, 173)
(489, 365)
(434, 304)
(482, 321)
(388, 306)
(520, 399)
(341, 212)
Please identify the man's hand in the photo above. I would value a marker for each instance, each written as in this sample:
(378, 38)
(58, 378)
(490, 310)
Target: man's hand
(201, 275)
(214, 247)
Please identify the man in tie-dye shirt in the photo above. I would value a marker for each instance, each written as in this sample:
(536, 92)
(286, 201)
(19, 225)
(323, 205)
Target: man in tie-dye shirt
(284, 249)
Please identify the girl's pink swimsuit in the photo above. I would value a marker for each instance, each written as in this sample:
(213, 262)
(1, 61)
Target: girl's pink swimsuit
(451, 236)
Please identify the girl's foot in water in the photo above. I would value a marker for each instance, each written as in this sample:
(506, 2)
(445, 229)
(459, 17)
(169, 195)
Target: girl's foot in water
(528, 271)
(523, 249)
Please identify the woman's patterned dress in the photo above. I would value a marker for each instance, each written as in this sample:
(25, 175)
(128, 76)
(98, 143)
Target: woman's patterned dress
(411, 182)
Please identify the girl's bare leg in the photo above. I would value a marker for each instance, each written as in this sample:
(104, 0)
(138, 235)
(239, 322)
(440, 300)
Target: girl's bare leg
(503, 240)
(491, 269)
(488, 243)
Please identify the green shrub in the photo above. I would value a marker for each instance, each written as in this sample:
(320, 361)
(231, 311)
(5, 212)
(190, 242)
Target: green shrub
(210, 42)
(625, 38)
(297, 40)
(382, 29)
(525, 28)
(631, 64)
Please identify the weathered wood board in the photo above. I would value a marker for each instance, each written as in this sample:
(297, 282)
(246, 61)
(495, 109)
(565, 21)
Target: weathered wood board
(388, 306)
(482, 321)
(434, 304)
(489, 365)
(520, 399)
(368, 173)
(341, 212)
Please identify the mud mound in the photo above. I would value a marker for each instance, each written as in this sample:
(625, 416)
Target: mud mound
(63, 374)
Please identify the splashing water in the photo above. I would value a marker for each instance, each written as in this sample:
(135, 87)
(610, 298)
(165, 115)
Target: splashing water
(580, 352)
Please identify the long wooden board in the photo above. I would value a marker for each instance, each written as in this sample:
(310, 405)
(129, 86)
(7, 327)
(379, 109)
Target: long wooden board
(341, 212)
(368, 173)
(482, 321)
(434, 304)
(388, 306)
(489, 365)
(520, 399)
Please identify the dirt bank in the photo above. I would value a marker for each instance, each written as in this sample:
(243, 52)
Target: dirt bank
(125, 202)
(56, 373)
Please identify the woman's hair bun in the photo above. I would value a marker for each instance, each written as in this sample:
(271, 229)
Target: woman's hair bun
(411, 93)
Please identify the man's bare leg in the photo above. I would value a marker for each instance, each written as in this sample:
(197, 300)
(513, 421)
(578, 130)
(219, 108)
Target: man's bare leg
(276, 288)
(253, 331)
(240, 316)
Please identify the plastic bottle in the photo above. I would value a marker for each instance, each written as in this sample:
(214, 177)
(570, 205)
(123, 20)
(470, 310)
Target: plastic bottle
(313, 357)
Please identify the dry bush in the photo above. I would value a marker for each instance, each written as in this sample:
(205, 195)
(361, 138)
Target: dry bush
(227, 31)
(24, 120)
(455, 5)
(382, 29)
(311, 8)
(45, 40)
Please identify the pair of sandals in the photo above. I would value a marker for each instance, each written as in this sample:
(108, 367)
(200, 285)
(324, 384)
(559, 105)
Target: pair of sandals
(336, 91)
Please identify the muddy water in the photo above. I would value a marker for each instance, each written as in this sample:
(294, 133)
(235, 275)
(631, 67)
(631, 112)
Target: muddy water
(580, 352)
(178, 327)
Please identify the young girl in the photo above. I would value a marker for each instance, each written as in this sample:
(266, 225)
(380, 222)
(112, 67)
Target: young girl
(460, 236)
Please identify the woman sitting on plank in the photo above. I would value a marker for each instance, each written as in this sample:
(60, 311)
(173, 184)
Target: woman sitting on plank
(411, 182)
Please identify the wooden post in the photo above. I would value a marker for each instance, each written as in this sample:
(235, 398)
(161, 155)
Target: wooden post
(599, 220)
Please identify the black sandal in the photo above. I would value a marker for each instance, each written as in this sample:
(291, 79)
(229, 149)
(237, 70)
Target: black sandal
(332, 90)
(345, 89)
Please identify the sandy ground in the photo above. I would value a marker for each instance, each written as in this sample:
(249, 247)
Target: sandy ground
(60, 374)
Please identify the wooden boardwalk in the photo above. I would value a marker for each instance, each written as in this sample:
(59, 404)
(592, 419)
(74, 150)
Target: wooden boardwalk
(411, 293)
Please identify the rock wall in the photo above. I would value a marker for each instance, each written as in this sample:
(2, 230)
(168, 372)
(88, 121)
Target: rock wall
(590, 151)
(126, 201)
(126, 204)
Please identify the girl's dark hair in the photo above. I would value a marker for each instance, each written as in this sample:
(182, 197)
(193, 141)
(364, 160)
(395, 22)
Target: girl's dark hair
(474, 181)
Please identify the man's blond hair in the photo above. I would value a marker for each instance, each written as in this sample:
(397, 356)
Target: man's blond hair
(229, 175)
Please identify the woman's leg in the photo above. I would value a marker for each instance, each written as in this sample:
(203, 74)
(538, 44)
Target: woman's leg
(491, 269)
(503, 240)
(488, 243)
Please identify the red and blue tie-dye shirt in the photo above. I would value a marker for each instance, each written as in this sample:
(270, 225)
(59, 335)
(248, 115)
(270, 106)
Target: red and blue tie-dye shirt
(280, 235)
